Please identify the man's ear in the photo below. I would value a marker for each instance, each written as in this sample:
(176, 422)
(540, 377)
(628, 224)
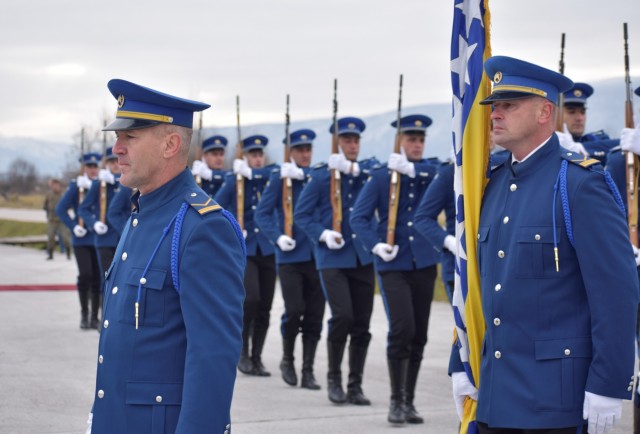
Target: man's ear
(547, 112)
(172, 145)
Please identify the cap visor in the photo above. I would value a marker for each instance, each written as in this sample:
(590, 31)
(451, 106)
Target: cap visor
(123, 124)
(505, 96)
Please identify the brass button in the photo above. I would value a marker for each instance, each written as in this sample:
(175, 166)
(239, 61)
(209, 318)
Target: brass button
(567, 352)
(158, 398)
(505, 220)
(124, 256)
(134, 222)
(537, 237)
(496, 321)
(101, 394)
(143, 281)
(114, 291)
(497, 354)
(498, 287)
(500, 254)
(105, 324)
(100, 359)
(513, 187)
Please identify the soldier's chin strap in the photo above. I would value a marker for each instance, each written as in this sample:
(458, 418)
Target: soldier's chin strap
(561, 184)
(175, 243)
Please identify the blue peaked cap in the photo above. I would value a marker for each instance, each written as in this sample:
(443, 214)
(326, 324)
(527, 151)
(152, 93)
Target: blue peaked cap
(141, 107)
(349, 125)
(300, 137)
(578, 94)
(637, 91)
(110, 155)
(413, 123)
(515, 79)
(214, 142)
(254, 142)
(91, 158)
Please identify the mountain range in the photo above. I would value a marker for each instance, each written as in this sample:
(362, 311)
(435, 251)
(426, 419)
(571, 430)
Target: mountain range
(605, 111)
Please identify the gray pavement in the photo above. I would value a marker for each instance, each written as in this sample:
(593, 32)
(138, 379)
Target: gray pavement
(47, 368)
(23, 215)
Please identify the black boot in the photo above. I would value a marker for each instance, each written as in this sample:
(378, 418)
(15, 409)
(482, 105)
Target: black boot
(286, 365)
(245, 365)
(49, 255)
(410, 412)
(259, 335)
(335, 350)
(95, 307)
(357, 357)
(83, 294)
(397, 377)
(309, 346)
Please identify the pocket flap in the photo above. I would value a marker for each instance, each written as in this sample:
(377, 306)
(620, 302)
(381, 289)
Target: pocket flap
(142, 393)
(538, 234)
(563, 348)
(483, 233)
(154, 278)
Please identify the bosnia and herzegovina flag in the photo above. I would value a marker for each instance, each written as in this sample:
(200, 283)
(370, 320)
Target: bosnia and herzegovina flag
(470, 47)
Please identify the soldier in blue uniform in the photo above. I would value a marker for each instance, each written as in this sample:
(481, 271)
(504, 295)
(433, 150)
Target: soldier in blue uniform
(406, 270)
(260, 274)
(596, 144)
(211, 170)
(345, 265)
(171, 330)
(299, 280)
(82, 238)
(559, 341)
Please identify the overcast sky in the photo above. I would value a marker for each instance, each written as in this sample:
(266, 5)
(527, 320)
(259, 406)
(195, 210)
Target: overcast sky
(57, 56)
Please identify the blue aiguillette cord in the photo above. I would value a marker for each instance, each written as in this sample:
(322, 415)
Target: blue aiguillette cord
(174, 263)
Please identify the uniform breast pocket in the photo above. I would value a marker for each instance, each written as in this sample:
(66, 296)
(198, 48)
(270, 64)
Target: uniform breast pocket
(152, 297)
(536, 258)
(483, 237)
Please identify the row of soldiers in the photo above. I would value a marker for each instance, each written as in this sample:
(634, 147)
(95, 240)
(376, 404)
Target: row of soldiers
(318, 264)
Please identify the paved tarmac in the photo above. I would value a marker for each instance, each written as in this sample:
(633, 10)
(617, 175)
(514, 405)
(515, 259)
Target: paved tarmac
(47, 368)
(23, 215)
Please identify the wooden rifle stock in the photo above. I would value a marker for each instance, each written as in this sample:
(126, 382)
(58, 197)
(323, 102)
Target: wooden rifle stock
(394, 185)
(103, 184)
(199, 150)
(631, 159)
(81, 190)
(287, 187)
(336, 192)
(239, 177)
(560, 110)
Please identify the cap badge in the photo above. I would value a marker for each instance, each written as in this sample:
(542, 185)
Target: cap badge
(216, 141)
(120, 100)
(257, 141)
(497, 77)
(418, 123)
(577, 93)
(303, 137)
(351, 125)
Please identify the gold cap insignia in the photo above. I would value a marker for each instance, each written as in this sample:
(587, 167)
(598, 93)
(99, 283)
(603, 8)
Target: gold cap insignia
(120, 100)
(577, 93)
(257, 141)
(351, 125)
(303, 137)
(497, 77)
(418, 123)
(216, 141)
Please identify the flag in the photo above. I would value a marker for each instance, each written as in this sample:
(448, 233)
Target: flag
(470, 47)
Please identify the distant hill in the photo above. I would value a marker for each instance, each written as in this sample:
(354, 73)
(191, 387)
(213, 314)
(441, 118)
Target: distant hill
(605, 111)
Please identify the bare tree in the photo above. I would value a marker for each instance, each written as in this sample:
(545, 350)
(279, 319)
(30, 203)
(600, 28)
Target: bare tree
(22, 177)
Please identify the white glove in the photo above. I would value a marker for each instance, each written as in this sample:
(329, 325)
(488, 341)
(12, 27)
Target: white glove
(200, 169)
(566, 141)
(333, 239)
(450, 244)
(286, 243)
(399, 163)
(84, 182)
(244, 233)
(240, 166)
(79, 231)
(291, 170)
(89, 423)
(339, 162)
(100, 228)
(637, 257)
(105, 175)
(462, 388)
(601, 411)
(385, 251)
(630, 140)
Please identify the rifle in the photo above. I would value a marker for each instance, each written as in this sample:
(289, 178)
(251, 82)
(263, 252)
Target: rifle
(199, 149)
(287, 189)
(394, 185)
(560, 113)
(631, 159)
(103, 184)
(239, 177)
(81, 190)
(336, 193)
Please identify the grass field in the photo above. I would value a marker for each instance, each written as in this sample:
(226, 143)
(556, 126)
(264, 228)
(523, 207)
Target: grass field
(26, 201)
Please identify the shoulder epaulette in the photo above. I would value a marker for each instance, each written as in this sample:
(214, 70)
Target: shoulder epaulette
(201, 202)
(275, 170)
(596, 135)
(320, 165)
(579, 159)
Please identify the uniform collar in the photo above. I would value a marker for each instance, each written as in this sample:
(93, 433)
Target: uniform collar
(164, 194)
(530, 162)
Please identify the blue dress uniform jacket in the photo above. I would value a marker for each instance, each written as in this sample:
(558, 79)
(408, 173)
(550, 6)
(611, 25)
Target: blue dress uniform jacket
(270, 218)
(120, 209)
(212, 186)
(175, 373)
(69, 200)
(414, 250)
(598, 144)
(89, 211)
(439, 196)
(313, 214)
(552, 335)
(253, 188)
